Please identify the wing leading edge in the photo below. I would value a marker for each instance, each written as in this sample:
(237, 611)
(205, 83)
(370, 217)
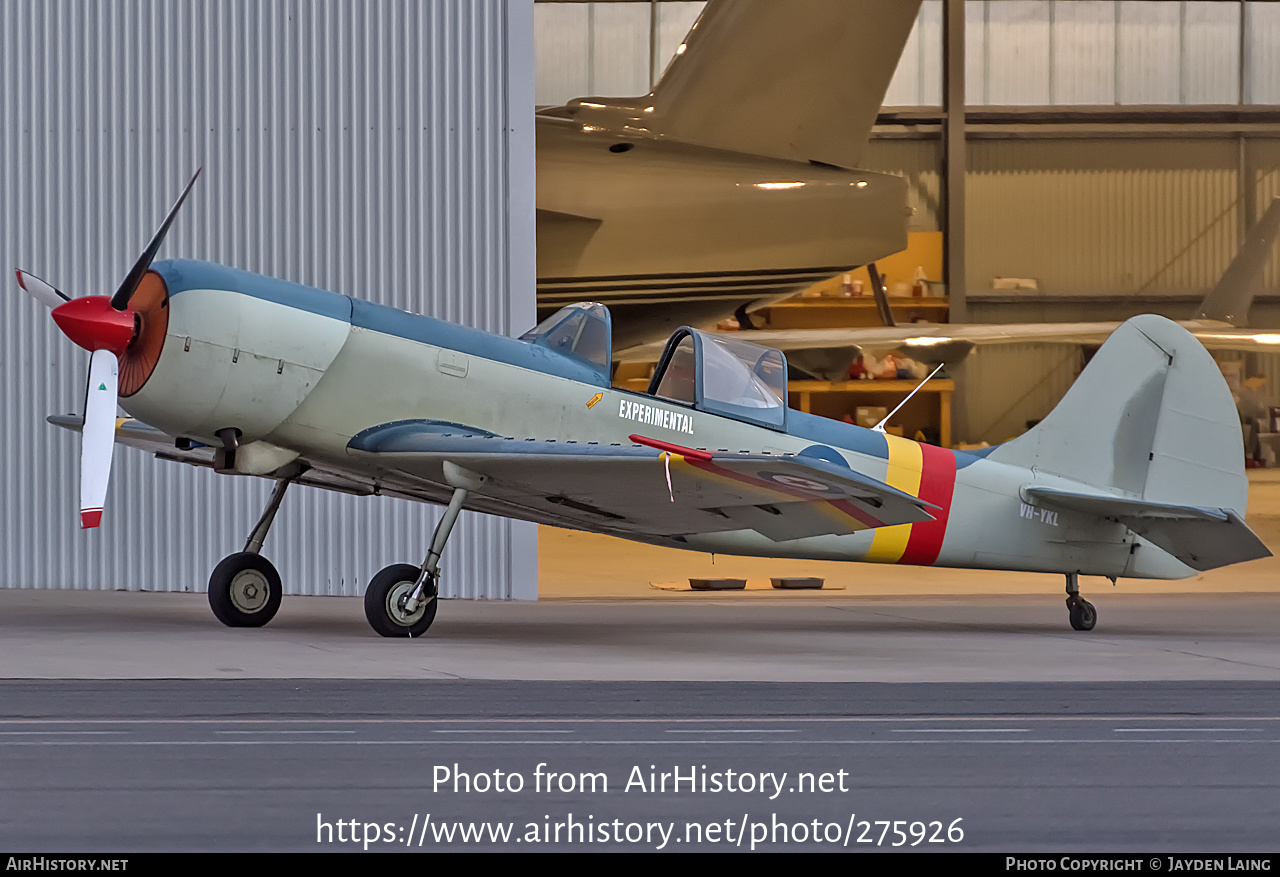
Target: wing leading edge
(642, 491)
(625, 489)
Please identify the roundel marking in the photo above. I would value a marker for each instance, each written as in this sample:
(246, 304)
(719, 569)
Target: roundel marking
(822, 452)
(799, 482)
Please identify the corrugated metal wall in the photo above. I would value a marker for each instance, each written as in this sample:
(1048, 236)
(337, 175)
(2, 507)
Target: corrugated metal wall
(1062, 52)
(603, 48)
(1009, 385)
(1097, 216)
(1101, 216)
(382, 150)
(919, 161)
(1262, 163)
(1034, 52)
(918, 80)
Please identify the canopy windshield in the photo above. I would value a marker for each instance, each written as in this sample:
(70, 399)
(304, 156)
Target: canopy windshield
(582, 331)
(724, 376)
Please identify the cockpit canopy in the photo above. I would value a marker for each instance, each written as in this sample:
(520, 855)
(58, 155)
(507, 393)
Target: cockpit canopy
(708, 371)
(725, 376)
(581, 331)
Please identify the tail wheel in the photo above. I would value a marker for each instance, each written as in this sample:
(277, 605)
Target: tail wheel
(244, 590)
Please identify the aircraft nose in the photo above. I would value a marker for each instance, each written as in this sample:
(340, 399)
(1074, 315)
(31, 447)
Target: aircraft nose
(92, 323)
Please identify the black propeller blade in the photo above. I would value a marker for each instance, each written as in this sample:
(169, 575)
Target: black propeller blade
(129, 285)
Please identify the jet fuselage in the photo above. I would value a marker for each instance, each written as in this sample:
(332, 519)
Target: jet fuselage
(669, 234)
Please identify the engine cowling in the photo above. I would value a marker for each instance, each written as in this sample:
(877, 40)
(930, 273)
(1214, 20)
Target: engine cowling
(239, 351)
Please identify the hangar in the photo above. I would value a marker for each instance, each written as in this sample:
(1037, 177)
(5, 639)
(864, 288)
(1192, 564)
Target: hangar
(1064, 159)
(383, 151)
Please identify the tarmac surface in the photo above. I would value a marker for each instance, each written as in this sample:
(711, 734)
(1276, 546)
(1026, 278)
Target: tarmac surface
(930, 710)
(135, 722)
(419, 766)
(686, 637)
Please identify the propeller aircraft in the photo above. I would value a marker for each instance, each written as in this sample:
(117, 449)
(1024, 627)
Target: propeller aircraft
(1137, 473)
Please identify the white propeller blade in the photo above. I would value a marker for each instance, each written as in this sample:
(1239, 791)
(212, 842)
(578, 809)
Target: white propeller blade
(98, 438)
(42, 292)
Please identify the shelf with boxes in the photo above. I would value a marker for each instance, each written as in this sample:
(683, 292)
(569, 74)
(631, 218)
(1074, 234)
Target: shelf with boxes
(926, 416)
(846, 313)
(845, 301)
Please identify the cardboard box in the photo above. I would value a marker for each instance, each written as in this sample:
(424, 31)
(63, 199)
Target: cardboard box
(868, 416)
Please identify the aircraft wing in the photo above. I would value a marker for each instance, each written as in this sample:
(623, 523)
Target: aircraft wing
(635, 490)
(614, 488)
(137, 434)
(828, 353)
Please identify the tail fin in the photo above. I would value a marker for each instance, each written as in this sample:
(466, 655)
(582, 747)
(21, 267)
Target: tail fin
(1151, 424)
(1231, 298)
(801, 80)
(1151, 415)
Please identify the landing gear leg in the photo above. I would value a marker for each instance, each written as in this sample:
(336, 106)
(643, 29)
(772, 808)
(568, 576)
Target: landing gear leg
(1083, 615)
(244, 589)
(401, 600)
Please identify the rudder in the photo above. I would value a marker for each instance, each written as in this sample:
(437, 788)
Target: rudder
(1151, 416)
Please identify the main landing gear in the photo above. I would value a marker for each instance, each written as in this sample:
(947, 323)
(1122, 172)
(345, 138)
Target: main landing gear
(244, 590)
(401, 600)
(1083, 615)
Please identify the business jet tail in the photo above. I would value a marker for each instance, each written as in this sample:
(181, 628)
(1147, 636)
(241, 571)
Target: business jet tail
(1231, 299)
(802, 80)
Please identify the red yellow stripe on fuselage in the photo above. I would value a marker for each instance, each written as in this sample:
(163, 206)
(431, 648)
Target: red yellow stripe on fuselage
(927, 472)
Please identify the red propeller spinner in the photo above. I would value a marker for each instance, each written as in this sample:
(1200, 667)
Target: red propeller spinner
(94, 324)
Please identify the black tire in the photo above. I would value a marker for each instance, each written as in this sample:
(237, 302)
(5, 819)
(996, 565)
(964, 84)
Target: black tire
(244, 590)
(1083, 615)
(382, 597)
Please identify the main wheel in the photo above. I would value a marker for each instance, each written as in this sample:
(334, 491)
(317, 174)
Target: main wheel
(244, 590)
(1083, 615)
(385, 598)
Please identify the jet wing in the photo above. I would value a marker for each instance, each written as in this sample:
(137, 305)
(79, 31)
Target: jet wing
(635, 490)
(827, 353)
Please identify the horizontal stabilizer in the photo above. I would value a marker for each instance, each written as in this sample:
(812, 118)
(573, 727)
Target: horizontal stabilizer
(1202, 538)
